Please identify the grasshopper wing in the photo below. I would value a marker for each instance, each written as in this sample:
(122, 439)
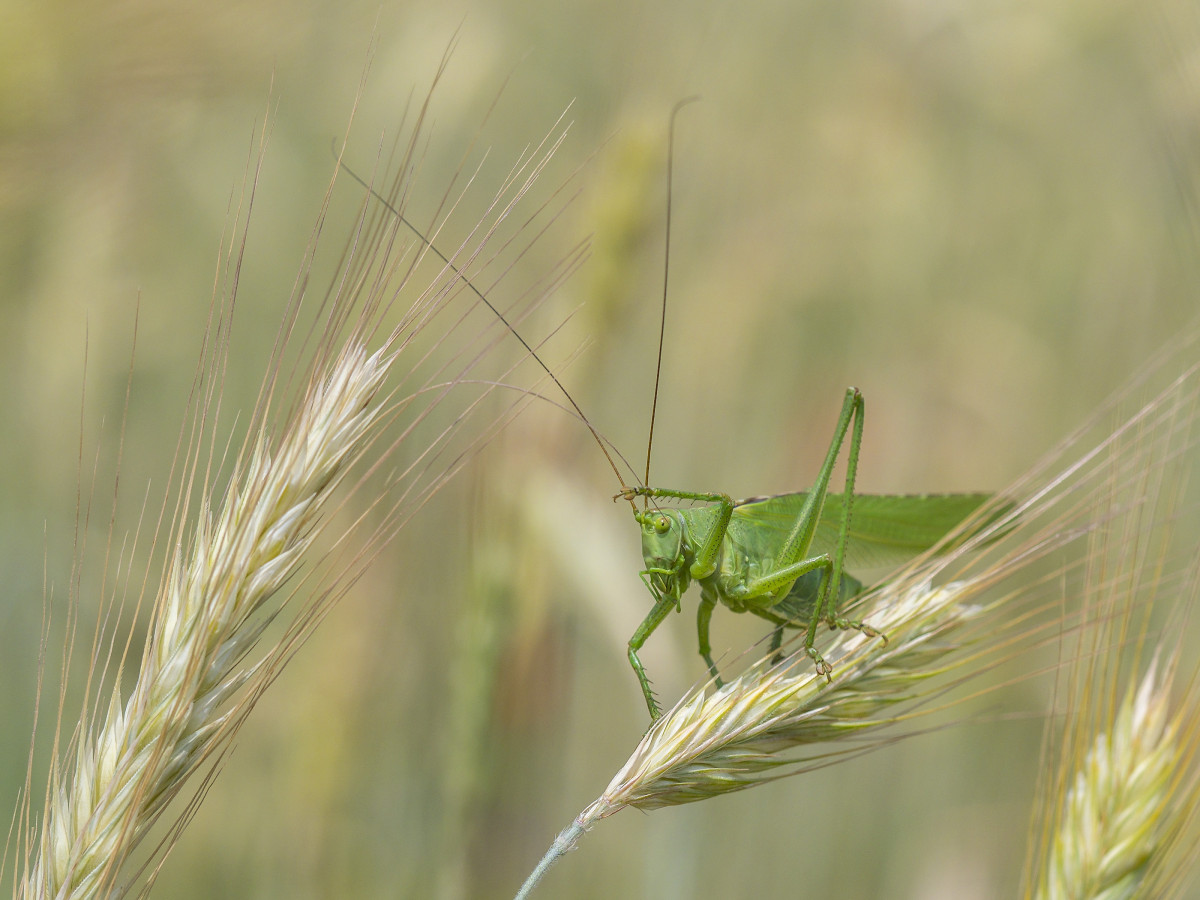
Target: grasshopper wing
(885, 529)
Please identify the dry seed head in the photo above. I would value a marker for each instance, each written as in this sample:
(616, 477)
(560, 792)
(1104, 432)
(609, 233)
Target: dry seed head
(1114, 804)
(203, 666)
(1040, 530)
(714, 742)
(1113, 816)
(204, 624)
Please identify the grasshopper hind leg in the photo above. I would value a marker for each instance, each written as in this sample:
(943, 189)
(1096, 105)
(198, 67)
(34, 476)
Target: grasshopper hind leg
(850, 588)
(856, 625)
(800, 606)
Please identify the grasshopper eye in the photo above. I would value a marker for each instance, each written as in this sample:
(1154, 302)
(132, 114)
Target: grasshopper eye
(661, 525)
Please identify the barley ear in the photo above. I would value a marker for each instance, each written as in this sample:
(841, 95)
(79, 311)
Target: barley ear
(1115, 811)
(204, 623)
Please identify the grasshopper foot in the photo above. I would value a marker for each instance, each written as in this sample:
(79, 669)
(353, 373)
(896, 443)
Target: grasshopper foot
(858, 626)
(655, 709)
(631, 493)
(824, 669)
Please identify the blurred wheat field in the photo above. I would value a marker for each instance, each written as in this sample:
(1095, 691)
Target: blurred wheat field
(982, 217)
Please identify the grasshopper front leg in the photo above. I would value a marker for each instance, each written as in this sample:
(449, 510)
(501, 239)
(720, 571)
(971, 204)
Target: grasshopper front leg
(704, 557)
(662, 606)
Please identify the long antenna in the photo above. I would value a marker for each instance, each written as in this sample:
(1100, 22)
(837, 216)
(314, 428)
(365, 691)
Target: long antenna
(499, 315)
(662, 327)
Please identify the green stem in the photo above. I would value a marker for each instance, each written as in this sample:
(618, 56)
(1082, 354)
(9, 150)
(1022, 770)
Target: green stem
(564, 843)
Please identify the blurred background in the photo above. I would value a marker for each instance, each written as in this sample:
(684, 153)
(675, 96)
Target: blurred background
(983, 215)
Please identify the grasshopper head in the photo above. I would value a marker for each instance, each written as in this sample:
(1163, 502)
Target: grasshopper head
(663, 549)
